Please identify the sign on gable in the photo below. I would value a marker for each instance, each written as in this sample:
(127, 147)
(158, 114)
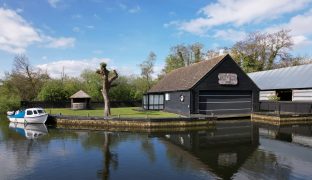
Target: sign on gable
(228, 79)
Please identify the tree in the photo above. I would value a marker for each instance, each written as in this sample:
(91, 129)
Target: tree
(123, 90)
(196, 50)
(147, 69)
(92, 84)
(107, 79)
(9, 99)
(187, 53)
(182, 55)
(261, 51)
(211, 53)
(26, 79)
(172, 63)
(292, 61)
(53, 91)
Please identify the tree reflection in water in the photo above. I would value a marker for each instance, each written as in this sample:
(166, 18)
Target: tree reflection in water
(110, 158)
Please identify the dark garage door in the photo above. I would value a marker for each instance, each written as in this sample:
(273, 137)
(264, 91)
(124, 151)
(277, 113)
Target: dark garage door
(225, 102)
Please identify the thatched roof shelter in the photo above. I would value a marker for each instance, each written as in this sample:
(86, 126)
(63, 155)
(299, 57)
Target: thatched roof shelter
(80, 100)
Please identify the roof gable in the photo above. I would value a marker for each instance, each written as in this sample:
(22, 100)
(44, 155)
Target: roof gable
(284, 78)
(186, 77)
(80, 94)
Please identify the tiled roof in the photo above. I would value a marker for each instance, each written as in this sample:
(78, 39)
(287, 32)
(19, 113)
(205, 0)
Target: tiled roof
(186, 77)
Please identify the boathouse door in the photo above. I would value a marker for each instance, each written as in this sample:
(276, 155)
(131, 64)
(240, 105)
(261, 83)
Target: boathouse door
(225, 102)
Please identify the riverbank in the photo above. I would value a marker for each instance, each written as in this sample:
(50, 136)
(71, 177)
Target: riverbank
(126, 122)
(281, 118)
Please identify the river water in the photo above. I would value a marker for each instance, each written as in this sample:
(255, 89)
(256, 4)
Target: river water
(231, 150)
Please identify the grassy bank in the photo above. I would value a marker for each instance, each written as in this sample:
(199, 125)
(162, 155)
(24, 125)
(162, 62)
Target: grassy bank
(122, 112)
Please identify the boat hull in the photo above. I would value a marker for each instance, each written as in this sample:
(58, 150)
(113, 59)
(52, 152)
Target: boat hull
(37, 119)
(16, 120)
(32, 120)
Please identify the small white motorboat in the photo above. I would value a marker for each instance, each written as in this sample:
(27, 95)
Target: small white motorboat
(31, 115)
(30, 131)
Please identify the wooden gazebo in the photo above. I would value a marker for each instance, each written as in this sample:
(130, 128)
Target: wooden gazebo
(80, 100)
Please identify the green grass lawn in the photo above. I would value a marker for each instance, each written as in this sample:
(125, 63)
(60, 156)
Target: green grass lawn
(123, 112)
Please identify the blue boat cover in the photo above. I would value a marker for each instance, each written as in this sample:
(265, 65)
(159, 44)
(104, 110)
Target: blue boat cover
(21, 114)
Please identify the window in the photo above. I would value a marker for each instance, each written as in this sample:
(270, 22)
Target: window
(40, 111)
(145, 102)
(29, 113)
(35, 112)
(153, 101)
(167, 97)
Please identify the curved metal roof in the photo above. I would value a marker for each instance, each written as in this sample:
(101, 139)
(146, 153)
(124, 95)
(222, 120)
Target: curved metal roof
(295, 77)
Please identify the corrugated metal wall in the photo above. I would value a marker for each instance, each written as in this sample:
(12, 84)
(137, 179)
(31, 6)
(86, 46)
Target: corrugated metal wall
(302, 95)
(265, 95)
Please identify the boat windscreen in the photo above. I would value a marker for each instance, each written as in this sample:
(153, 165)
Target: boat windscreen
(40, 111)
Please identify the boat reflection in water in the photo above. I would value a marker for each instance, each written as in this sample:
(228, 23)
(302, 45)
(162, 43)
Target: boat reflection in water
(30, 131)
(221, 151)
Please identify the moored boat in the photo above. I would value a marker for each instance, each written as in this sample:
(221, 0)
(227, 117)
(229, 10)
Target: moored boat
(31, 115)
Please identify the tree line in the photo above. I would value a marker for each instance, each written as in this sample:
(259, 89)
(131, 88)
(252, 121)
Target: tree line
(258, 51)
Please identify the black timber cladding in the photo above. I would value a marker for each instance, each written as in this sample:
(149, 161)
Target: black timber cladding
(207, 82)
(175, 104)
(210, 83)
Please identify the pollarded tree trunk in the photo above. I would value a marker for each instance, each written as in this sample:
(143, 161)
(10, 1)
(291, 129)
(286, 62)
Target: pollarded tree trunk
(107, 82)
(106, 104)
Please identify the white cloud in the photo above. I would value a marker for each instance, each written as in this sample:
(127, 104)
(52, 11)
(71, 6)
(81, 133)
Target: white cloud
(71, 68)
(300, 29)
(230, 34)
(53, 3)
(132, 10)
(239, 12)
(15, 33)
(135, 9)
(301, 41)
(61, 42)
(299, 25)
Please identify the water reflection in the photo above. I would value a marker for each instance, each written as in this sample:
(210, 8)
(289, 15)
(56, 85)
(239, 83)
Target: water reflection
(232, 150)
(30, 131)
(221, 151)
(282, 154)
(300, 134)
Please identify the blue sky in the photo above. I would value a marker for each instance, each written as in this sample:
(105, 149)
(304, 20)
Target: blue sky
(79, 34)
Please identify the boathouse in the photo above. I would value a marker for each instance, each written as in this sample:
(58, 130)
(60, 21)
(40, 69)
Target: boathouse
(286, 89)
(80, 100)
(217, 86)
